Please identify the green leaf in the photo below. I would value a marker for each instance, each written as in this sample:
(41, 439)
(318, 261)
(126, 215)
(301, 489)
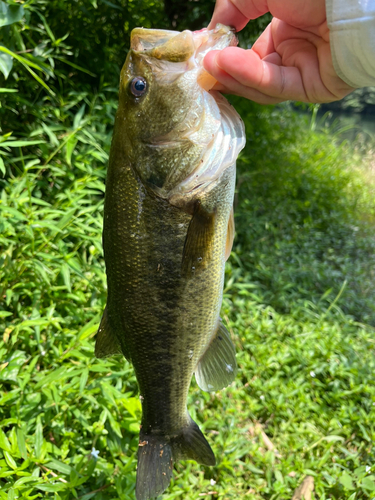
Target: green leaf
(75, 66)
(9, 397)
(88, 329)
(2, 166)
(48, 29)
(28, 65)
(10, 14)
(65, 273)
(70, 145)
(4, 443)
(53, 487)
(3, 90)
(75, 266)
(78, 117)
(133, 405)
(90, 467)
(6, 64)
(83, 380)
(55, 375)
(51, 134)
(24, 480)
(59, 466)
(16, 213)
(10, 460)
(42, 270)
(64, 221)
(21, 443)
(368, 483)
(11, 494)
(33, 322)
(114, 424)
(347, 481)
(38, 439)
(17, 144)
(111, 4)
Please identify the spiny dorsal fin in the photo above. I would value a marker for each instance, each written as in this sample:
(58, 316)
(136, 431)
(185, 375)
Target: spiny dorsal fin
(217, 367)
(106, 341)
(199, 242)
(230, 235)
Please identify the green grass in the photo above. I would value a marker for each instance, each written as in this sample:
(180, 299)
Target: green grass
(298, 301)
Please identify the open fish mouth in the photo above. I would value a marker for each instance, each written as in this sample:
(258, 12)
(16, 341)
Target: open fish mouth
(177, 46)
(187, 48)
(211, 123)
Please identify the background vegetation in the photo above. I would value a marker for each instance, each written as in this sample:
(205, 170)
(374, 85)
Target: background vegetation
(298, 297)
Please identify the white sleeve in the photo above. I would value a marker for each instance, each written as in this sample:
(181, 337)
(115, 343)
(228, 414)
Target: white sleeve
(352, 37)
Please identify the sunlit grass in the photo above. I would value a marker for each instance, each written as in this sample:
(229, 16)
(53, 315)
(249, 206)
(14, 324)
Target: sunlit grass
(298, 302)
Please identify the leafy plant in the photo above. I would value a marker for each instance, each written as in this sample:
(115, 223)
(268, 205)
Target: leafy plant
(298, 292)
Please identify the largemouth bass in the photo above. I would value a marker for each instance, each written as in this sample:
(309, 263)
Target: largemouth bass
(168, 228)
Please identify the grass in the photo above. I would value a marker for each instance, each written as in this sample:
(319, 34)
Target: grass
(298, 301)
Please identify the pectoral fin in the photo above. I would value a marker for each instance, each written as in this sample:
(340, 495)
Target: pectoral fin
(218, 367)
(106, 341)
(199, 242)
(230, 235)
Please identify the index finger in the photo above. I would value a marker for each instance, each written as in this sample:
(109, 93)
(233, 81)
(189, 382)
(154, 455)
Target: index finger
(237, 13)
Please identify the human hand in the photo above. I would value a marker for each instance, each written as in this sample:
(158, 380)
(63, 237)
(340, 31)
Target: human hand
(291, 60)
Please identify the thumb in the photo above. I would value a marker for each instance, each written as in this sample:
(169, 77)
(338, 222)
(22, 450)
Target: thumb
(236, 13)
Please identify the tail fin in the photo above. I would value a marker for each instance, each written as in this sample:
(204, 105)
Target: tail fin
(157, 452)
(154, 470)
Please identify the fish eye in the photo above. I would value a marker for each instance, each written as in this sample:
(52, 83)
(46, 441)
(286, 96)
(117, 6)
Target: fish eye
(138, 86)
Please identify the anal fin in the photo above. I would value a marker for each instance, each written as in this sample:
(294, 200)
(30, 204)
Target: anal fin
(190, 444)
(218, 367)
(106, 342)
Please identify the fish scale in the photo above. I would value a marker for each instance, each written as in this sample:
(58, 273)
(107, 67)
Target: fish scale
(165, 241)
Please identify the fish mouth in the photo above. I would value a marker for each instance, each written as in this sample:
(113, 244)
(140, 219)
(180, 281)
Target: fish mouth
(211, 123)
(146, 39)
(175, 46)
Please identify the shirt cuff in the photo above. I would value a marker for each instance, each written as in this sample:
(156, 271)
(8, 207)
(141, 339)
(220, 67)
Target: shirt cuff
(352, 39)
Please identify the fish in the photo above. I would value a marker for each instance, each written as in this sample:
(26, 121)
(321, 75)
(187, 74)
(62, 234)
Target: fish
(168, 229)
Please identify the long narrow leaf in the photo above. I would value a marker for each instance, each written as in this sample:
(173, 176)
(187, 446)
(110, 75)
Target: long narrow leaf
(75, 66)
(26, 63)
